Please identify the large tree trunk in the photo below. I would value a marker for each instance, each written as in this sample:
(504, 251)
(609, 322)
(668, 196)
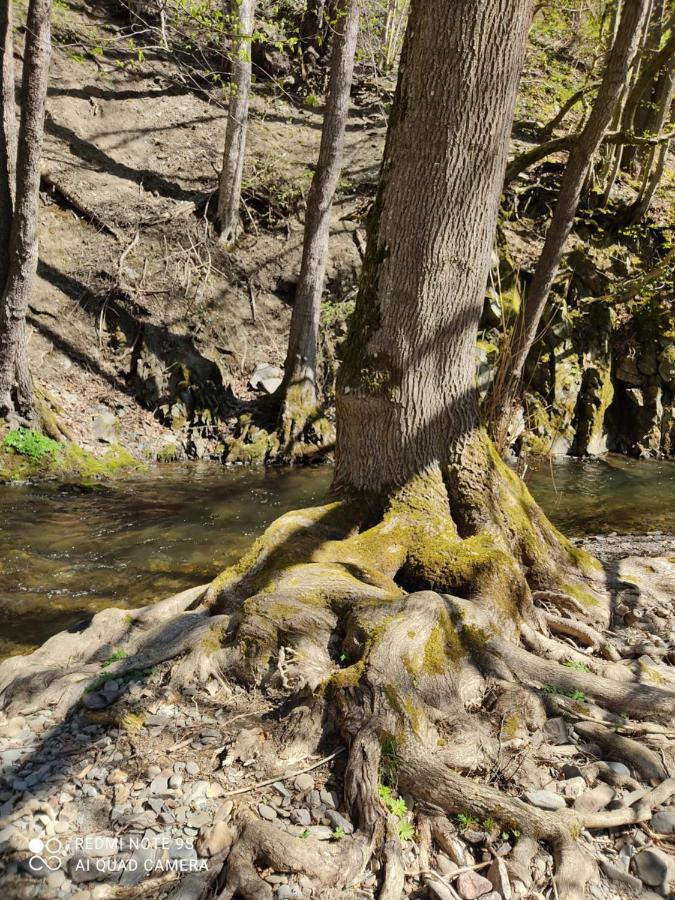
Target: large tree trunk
(16, 394)
(406, 394)
(502, 393)
(298, 391)
(7, 135)
(229, 189)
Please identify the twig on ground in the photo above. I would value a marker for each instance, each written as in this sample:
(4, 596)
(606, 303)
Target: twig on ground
(260, 784)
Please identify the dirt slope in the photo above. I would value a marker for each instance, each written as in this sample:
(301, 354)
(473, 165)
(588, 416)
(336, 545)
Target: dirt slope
(135, 301)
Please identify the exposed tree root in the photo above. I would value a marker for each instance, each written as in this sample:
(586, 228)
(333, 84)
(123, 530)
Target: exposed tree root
(553, 649)
(424, 687)
(262, 844)
(641, 758)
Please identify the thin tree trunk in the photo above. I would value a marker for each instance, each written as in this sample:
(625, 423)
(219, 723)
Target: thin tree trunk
(502, 393)
(16, 394)
(299, 388)
(653, 173)
(610, 166)
(229, 191)
(406, 393)
(394, 24)
(644, 114)
(7, 135)
(649, 72)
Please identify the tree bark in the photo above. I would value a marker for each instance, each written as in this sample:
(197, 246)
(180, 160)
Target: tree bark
(7, 135)
(406, 393)
(656, 156)
(299, 388)
(16, 395)
(644, 114)
(229, 190)
(649, 73)
(502, 393)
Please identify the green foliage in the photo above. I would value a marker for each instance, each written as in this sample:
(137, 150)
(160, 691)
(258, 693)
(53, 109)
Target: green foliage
(114, 657)
(466, 820)
(398, 808)
(406, 831)
(31, 444)
(390, 763)
(579, 696)
(576, 665)
(339, 833)
(396, 805)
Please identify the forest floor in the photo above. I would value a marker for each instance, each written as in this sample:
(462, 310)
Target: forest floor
(140, 785)
(132, 284)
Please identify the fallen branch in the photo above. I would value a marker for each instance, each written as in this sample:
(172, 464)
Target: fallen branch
(79, 206)
(566, 143)
(286, 777)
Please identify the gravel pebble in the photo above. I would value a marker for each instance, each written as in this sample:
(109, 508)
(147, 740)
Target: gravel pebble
(545, 800)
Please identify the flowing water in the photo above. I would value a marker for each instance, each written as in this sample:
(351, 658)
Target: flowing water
(65, 553)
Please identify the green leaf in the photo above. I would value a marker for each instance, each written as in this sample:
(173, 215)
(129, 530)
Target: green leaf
(406, 831)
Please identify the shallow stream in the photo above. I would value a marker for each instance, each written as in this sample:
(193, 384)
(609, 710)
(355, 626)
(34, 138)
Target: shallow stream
(65, 553)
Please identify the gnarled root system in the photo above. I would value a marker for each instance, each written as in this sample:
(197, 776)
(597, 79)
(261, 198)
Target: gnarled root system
(430, 645)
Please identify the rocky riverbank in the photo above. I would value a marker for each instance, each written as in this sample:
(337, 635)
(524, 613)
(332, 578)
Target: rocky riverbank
(140, 790)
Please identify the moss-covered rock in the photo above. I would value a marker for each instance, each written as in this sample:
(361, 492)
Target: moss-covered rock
(32, 455)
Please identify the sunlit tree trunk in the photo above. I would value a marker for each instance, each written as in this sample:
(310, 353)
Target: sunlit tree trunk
(406, 393)
(16, 394)
(299, 388)
(655, 163)
(7, 135)
(393, 29)
(502, 393)
(645, 113)
(229, 190)
(642, 87)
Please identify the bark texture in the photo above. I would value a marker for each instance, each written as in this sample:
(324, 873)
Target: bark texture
(16, 395)
(229, 189)
(299, 389)
(7, 135)
(641, 88)
(502, 393)
(655, 157)
(406, 394)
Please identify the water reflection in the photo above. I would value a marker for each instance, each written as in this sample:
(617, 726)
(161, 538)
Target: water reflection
(65, 554)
